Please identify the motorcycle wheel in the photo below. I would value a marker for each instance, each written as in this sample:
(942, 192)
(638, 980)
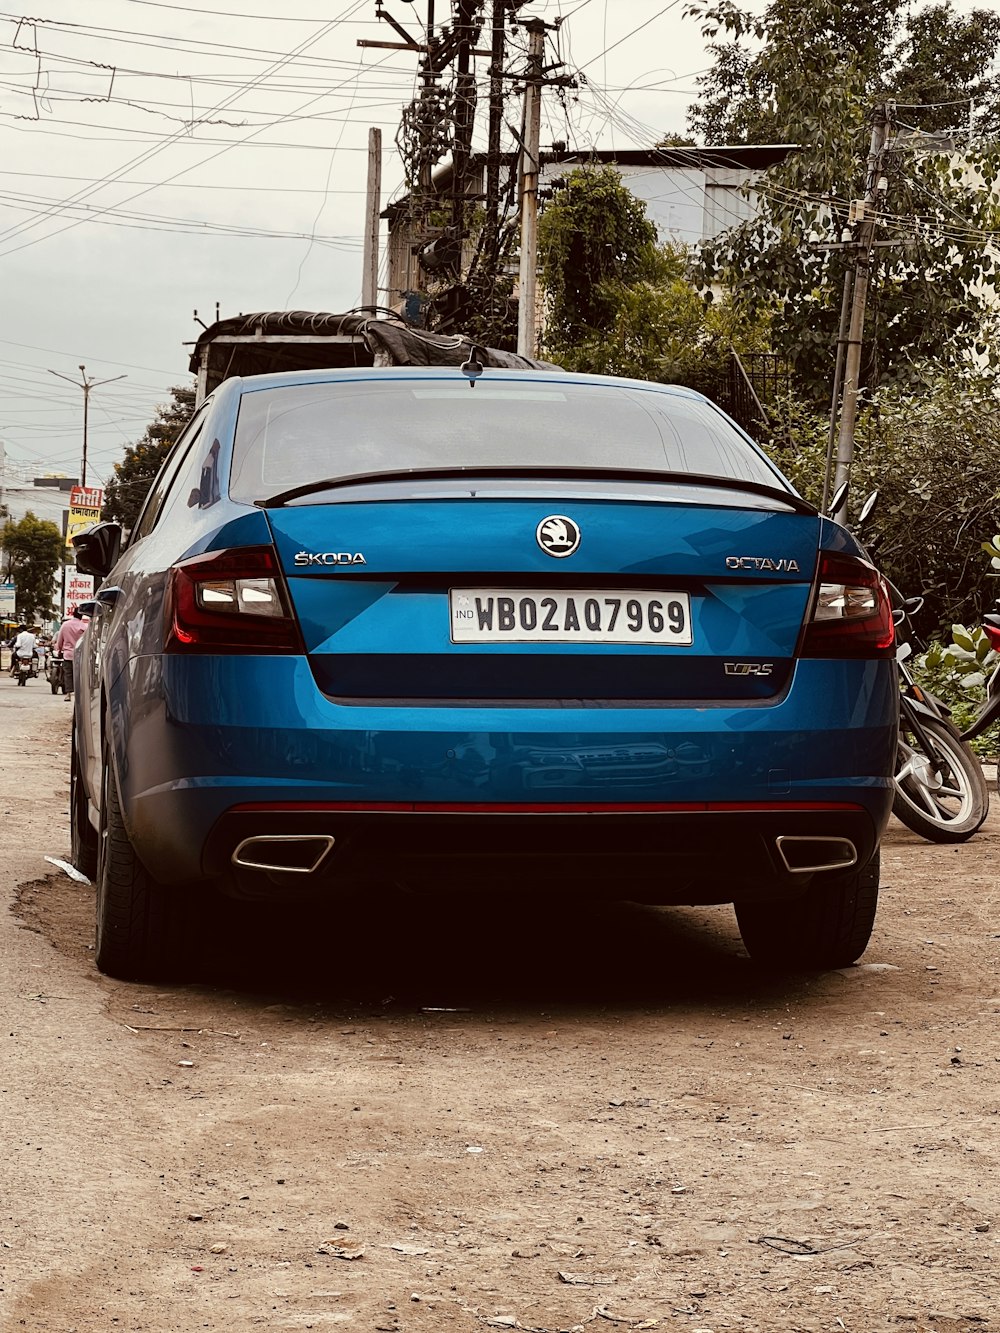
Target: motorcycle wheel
(946, 808)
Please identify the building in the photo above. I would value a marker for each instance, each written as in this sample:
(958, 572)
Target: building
(691, 195)
(45, 497)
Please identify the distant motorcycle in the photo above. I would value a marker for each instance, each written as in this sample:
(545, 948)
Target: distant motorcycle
(25, 668)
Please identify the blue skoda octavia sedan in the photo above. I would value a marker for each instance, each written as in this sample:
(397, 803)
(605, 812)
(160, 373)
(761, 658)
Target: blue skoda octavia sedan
(478, 634)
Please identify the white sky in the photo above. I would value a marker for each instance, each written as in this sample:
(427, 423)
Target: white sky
(288, 156)
(95, 108)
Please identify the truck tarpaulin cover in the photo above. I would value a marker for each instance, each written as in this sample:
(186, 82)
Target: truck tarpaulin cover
(302, 339)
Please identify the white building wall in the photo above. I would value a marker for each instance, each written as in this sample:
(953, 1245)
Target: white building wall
(687, 205)
(46, 502)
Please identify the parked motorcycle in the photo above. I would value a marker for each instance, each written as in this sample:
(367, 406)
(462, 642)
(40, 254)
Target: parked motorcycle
(55, 672)
(940, 788)
(941, 791)
(989, 711)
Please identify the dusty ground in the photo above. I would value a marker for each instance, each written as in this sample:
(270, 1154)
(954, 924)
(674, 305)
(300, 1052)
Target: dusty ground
(458, 1117)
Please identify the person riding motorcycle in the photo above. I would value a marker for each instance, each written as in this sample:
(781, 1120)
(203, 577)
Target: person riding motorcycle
(71, 631)
(24, 646)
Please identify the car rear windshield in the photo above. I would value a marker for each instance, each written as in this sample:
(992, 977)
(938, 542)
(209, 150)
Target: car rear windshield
(305, 433)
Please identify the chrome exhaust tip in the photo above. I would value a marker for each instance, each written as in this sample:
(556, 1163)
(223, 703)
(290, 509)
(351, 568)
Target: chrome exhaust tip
(288, 853)
(805, 855)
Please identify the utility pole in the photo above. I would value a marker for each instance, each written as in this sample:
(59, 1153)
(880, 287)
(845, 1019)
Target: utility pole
(864, 214)
(491, 226)
(86, 385)
(369, 271)
(528, 272)
(438, 121)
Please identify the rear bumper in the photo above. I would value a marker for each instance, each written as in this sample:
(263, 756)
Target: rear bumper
(666, 855)
(217, 746)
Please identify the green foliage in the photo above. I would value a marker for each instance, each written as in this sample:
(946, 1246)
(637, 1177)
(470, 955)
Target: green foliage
(932, 456)
(594, 240)
(809, 72)
(618, 303)
(933, 59)
(34, 551)
(992, 549)
(133, 476)
(956, 673)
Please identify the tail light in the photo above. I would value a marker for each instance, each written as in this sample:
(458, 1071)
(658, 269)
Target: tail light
(991, 624)
(229, 601)
(852, 613)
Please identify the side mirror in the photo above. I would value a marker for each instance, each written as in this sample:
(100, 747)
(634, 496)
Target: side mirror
(839, 499)
(97, 548)
(867, 509)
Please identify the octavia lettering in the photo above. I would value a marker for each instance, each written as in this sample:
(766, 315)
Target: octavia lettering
(781, 566)
(306, 558)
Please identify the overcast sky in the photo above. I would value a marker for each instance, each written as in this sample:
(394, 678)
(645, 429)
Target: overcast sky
(157, 158)
(113, 208)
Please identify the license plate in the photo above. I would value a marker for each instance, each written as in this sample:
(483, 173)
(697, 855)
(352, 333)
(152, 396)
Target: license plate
(579, 615)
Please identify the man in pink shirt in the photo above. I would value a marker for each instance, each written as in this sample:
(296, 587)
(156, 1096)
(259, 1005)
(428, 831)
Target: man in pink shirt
(71, 631)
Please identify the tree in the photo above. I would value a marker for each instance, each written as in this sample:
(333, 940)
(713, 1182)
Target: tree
(34, 551)
(594, 239)
(931, 289)
(931, 60)
(932, 456)
(133, 476)
(618, 303)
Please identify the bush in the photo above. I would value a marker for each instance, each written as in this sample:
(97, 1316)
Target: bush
(933, 457)
(957, 673)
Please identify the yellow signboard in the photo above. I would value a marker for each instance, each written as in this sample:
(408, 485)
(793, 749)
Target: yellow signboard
(85, 505)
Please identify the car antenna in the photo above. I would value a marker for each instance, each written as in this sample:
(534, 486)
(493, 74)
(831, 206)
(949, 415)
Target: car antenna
(473, 368)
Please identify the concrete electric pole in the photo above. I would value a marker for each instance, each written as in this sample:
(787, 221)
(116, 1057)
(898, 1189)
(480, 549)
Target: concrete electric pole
(864, 215)
(528, 273)
(369, 270)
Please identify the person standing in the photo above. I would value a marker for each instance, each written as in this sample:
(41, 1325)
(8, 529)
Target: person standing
(71, 631)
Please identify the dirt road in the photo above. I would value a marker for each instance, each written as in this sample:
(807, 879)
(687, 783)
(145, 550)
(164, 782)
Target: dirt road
(461, 1117)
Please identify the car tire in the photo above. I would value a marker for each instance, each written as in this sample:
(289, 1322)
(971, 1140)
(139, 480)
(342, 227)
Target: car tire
(82, 835)
(827, 925)
(141, 924)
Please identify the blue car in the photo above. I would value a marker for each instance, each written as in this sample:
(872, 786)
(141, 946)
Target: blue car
(480, 633)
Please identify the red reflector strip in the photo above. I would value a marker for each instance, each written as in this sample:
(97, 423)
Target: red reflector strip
(634, 808)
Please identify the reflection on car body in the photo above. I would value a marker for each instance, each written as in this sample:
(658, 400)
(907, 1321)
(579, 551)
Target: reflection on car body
(540, 655)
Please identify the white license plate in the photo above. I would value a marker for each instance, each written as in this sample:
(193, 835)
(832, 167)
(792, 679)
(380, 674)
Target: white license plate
(579, 615)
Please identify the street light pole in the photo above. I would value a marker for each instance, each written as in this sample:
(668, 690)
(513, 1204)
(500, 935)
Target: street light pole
(86, 385)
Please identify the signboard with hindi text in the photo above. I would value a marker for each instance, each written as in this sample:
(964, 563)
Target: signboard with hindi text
(79, 588)
(85, 505)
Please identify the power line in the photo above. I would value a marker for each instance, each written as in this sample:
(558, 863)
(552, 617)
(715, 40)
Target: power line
(659, 14)
(146, 156)
(203, 12)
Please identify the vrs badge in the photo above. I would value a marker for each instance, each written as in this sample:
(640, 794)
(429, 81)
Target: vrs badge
(748, 668)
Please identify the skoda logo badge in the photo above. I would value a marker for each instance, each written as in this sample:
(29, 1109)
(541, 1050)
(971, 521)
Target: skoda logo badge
(557, 535)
